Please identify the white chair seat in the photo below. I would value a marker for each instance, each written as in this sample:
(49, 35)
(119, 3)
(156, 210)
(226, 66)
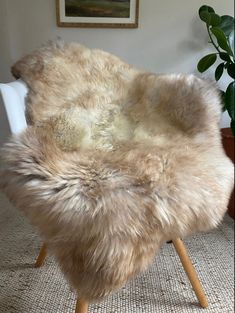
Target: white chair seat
(13, 97)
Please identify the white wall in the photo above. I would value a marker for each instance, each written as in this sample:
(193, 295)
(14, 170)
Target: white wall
(5, 59)
(170, 37)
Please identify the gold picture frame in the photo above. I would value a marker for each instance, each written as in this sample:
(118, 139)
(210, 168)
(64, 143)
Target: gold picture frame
(97, 13)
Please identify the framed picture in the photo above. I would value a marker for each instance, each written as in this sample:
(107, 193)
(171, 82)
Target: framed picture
(97, 13)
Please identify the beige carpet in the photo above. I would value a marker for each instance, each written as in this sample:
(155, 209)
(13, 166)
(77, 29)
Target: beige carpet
(163, 289)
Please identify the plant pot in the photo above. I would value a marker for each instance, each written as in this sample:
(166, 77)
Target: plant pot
(228, 144)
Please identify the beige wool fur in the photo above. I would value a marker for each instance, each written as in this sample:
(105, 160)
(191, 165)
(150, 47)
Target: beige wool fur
(115, 162)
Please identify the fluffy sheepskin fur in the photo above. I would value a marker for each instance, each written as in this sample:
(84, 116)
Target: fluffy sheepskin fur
(115, 162)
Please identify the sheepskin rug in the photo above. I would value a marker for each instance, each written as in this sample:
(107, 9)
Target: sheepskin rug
(115, 161)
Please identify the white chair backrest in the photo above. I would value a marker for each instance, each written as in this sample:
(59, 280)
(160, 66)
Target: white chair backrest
(13, 97)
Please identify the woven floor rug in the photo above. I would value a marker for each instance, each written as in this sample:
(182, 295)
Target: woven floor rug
(164, 288)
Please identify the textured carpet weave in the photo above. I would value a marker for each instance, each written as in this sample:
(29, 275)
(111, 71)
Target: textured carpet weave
(164, 288)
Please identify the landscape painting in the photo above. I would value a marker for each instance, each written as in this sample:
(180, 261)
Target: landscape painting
(97, 13)
(97, 8)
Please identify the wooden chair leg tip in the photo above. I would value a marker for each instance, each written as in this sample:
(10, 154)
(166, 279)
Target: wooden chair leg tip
(204, 304)
(41, 257)
(81, 306)
(37, 265)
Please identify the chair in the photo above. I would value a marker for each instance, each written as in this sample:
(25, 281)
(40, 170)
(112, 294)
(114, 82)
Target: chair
(66, 194)
(12, 96)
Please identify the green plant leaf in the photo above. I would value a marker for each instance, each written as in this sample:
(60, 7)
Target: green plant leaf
(224, 56)
(205, 17)
(227, 24)
(210, 18)
(229, 99)
(206, 8)
(219, 71)
(221, 39)
(232, 125)
(206, 62)
(215, 19)
(231, 41)
(223, 100)
(231, 70)
(204, 13)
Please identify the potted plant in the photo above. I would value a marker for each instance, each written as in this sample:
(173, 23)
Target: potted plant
(221, 35)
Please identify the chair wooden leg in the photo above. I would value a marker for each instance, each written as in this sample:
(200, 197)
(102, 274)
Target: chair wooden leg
(190, 271)
(41, 257)
(81, 306)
